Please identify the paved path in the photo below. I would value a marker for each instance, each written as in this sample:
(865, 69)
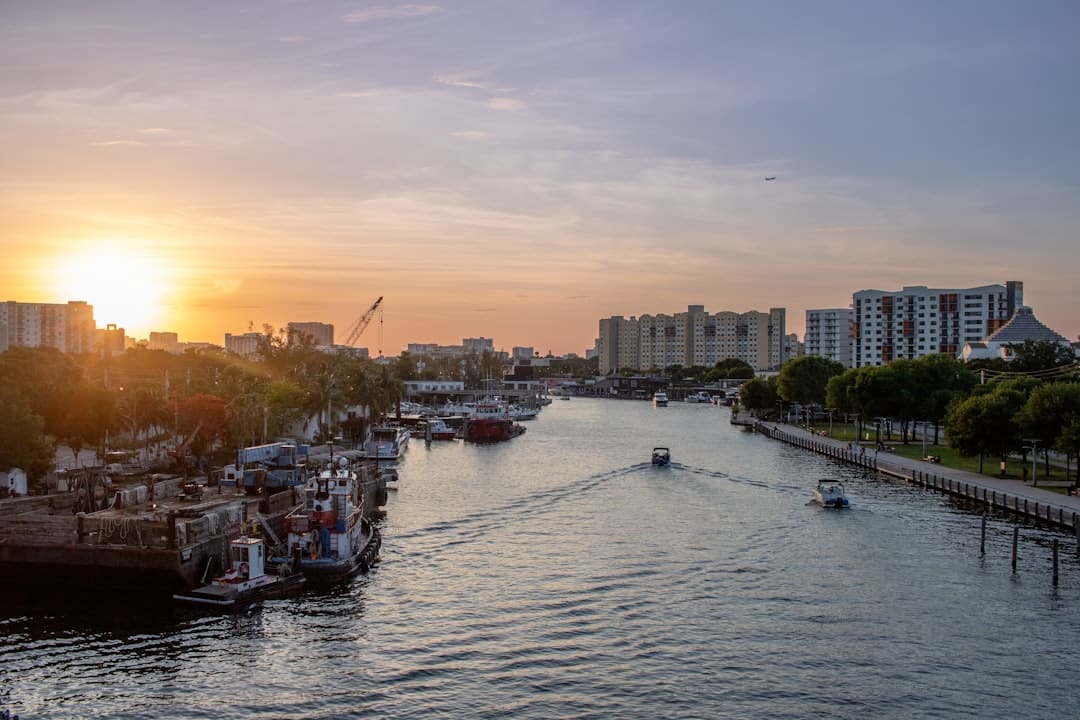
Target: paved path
(1006, 493)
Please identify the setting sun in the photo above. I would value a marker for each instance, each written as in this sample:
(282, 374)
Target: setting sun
(125, 285)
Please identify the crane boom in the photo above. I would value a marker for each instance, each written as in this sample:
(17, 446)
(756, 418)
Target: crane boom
(360, 325)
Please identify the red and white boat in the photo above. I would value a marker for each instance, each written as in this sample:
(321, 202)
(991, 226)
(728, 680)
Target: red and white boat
(246, 579)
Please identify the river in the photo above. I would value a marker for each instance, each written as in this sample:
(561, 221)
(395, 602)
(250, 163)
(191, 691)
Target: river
(560, 575)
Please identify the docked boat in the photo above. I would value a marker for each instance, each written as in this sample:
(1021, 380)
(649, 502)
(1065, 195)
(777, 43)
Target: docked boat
(699, 397)
(246, 579)
(328, 537)
(661, 456)
(387, 443)
(660, 398)
(522, 413)
(434, 429)
(491, 422)
(830, 494)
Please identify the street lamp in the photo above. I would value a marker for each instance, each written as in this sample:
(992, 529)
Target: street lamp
(830, 411)
(1034, 459)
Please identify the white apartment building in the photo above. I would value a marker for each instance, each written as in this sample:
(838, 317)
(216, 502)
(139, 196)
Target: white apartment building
(67, 327)
(829, 334)
(693, 338)
(918, 321)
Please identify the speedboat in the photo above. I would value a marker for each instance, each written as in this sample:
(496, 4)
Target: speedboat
(659, 398)
(830, 494)
(661, 456)
(699, 397)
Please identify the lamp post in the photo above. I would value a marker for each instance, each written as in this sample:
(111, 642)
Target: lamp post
(830, 411)
(924, 438)
(1034, 460)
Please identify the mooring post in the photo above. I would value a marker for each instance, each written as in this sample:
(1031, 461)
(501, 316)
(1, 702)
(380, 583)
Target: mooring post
(1016, 538)
(1055, 562)
(982, 539)
(1076, 531)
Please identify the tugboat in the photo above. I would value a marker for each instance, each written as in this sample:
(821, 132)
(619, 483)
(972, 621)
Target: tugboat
(328, 537)
(491, 422)
(246, 579)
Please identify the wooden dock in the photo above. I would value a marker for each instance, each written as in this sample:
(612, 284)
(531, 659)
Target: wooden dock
(1036, 504)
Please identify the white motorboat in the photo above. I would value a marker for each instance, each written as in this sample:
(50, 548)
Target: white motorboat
(388, 443)
(830, 494)
(660, 398)
(699, 397)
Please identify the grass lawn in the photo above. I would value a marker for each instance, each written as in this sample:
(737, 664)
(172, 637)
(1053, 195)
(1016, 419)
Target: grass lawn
(949, 456)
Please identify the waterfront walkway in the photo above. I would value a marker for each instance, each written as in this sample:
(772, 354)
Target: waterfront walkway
(1015, 496)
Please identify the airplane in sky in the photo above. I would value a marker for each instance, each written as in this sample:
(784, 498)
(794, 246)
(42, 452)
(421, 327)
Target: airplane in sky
(770, 178)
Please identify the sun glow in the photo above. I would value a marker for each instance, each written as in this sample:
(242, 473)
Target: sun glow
(126, 285)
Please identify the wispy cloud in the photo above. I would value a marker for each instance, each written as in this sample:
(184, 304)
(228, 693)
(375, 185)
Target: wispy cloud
(390, 12)
(292, 39)
(155, 131)
(469, 80)
(506, 104)
(108, 143)
(470, 135)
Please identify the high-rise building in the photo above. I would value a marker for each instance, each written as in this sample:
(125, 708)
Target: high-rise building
(246, 345)
(918, 320)
(693, 338)
(167, 341)
(66, 327)
(321, 333)
(829, 334)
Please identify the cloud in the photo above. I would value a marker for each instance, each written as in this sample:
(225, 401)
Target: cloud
(155, 131)
(506, 104)
(107, 143)
(470, 135)
(460, 80)
(390, 12)
(488, 309)
(292, 39)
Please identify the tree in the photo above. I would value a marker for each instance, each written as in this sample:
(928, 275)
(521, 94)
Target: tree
(86, 416)
(1036, 355)
(757, 396)
(202, 421)
(1050, 413)
(23, 443)
(985, 425)
(804, 379)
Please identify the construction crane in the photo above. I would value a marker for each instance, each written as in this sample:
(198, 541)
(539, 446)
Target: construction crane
(360, 325)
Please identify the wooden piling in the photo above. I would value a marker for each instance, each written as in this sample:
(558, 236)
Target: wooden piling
(1016, 539)
(982, 539)
(1055, 562)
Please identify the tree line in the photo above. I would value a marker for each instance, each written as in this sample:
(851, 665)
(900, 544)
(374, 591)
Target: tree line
(988, 408)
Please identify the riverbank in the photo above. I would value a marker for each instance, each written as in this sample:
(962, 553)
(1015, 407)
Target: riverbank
(1013, 496)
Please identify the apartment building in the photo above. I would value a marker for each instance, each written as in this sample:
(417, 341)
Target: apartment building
(246, 345)
(322, 333)
(918, 321)
(693, 338)
(829, 334)
(67, 327)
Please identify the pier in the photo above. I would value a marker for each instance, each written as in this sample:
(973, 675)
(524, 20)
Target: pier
(996, 494)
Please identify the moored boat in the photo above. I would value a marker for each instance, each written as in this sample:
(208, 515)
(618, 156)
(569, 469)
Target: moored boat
(434, 429)
(830, 494)
(328, 537)
(246, 579)
(491, 423)
(388, 443)
(699, 397)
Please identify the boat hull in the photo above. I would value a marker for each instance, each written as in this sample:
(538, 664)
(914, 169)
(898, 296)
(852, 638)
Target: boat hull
(489, 431)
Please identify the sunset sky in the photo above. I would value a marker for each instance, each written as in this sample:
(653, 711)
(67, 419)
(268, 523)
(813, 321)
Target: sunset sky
(519, 170)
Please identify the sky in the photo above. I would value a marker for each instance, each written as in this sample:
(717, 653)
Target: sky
(520, 170)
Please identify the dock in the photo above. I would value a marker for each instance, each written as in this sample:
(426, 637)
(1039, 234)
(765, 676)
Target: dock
(996, 494)
(164, 534)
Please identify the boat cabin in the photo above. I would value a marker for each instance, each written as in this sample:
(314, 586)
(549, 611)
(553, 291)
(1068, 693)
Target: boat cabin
(247, 558)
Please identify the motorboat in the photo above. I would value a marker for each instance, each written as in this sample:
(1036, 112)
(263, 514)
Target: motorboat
(434, 429)
(522, 413)
(661, 456)
(246, 579)
(388, 443)
(699, 397)
(830, 494)
(328, 537)
(660, 398)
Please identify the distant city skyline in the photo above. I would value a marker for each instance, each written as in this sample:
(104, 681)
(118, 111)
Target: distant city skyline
(522, 170)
